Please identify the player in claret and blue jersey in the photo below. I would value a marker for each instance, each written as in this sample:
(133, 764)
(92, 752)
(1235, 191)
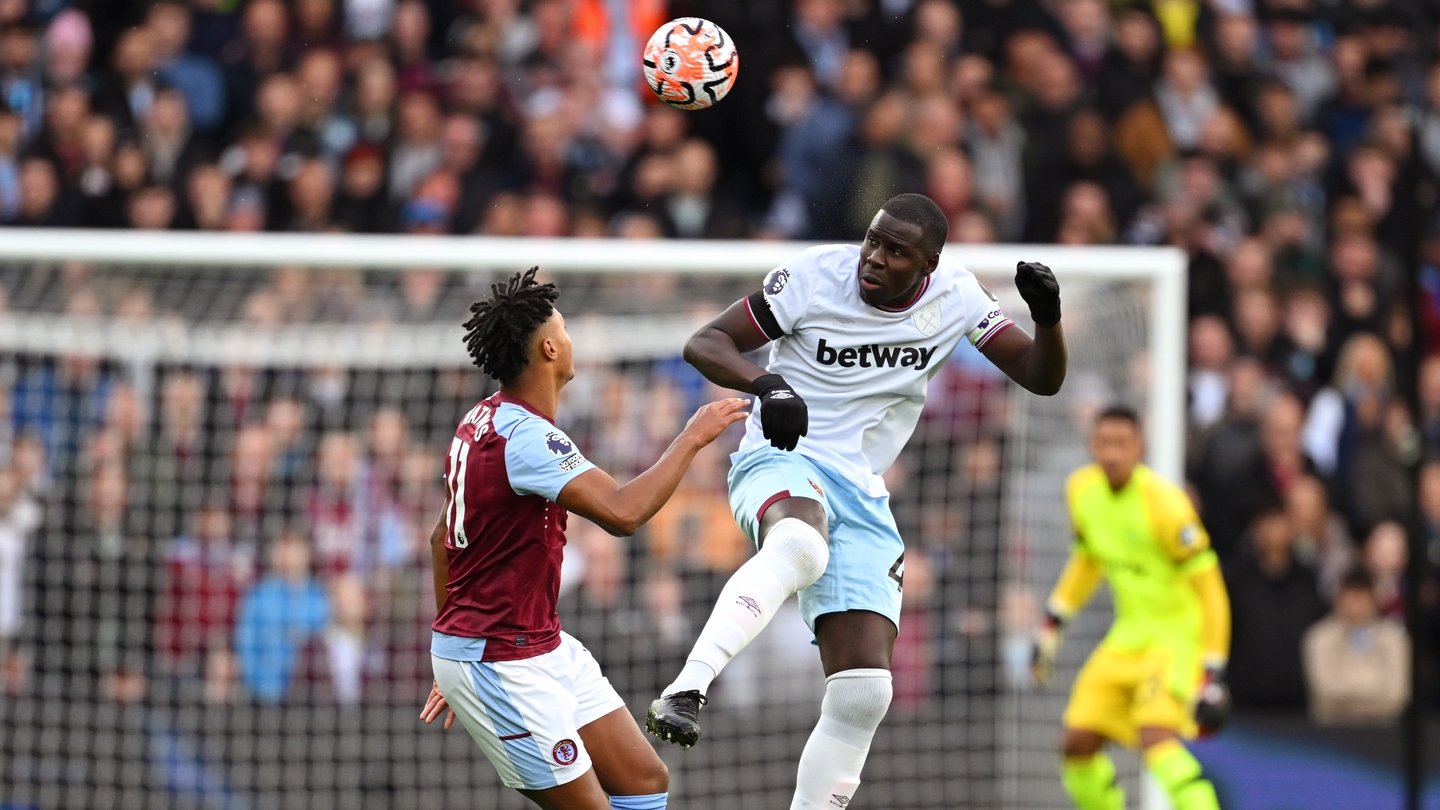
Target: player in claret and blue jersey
(856, 331)
(531, 696)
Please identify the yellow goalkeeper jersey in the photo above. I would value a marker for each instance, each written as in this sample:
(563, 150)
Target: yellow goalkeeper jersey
(1146, 539)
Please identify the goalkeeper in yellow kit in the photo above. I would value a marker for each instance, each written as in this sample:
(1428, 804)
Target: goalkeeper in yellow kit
(1158, 676)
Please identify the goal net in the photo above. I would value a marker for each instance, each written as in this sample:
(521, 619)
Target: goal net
(220, 462)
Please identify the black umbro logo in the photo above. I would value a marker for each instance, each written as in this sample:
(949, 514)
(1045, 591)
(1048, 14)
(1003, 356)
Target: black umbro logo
(839, 801)
(750, 605)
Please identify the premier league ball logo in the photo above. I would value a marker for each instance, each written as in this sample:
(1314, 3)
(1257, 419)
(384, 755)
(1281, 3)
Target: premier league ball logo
(565, 752)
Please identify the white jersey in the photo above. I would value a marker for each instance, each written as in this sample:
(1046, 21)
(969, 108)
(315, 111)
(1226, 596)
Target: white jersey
(862, 370)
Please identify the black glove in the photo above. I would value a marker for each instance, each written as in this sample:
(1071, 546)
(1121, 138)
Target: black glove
(1037, 285)
(783, 415)
(1212, 706)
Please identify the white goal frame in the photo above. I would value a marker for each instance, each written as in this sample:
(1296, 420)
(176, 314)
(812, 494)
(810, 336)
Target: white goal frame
(1163, 267)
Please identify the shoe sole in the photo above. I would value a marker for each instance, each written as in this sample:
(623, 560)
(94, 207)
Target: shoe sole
(664, 730)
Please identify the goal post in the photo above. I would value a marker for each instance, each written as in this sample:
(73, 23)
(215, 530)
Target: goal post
(321, 375)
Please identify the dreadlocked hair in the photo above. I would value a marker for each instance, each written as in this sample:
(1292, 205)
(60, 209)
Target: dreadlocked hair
(498, 332)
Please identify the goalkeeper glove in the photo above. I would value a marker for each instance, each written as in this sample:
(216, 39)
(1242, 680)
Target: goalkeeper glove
(784, 417)
(1037, 285)
(1212, 707)
(1044, 646)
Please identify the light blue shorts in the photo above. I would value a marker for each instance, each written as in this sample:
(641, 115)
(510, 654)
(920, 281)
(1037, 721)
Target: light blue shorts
(867, 556)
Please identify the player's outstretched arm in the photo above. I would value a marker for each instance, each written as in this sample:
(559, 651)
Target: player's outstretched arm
(1077, 582)
(623, 509)
(1212, 707)
(718, 351)
(1038, 364)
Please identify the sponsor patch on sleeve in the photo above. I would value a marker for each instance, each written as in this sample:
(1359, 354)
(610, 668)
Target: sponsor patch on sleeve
(1189, 535)
(558, 443)
(776, 281)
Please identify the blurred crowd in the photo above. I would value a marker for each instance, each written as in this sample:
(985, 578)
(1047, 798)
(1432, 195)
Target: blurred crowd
(1290, 147)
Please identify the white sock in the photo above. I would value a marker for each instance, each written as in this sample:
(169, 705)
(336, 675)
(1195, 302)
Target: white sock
(792, 556)
(855, 703)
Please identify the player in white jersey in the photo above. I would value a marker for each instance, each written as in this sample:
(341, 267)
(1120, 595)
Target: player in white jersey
(856, 332)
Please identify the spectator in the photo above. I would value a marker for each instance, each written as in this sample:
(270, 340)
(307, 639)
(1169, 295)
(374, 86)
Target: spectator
(462, 145)
(1211, 350)
(105, 594)
(277, 618)
(10, 142)
(19, 518)
(130, 88)
(21, 81)
(69, 41)
(1232, 460)
(872, 169)
(361, 205)
(170, 147)
(1296, 60)
(339, 508)
(194, 74)
(345, 640)
(1385, 555)
(320, 76)
(251, 496)
(311, 195)
(696, 208)
(417, 151)
(1131, 63)
(1353, 430)
(374, 97)
(1304, 352)
(1086, 157)
(64, 402)
(1236, 65)
(258, 52)
(1429, 501)
(205, 573)
(1154, 129)
(151, 209)
(1274, 600)
(1321, 540)
(996, 141)
(1357, 663)
(819, 31)
(207, 199)
(42, 203)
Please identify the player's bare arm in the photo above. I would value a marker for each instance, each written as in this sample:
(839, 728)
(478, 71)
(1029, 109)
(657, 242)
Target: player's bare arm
(623, 509)
(718, 349)
(1036, 363)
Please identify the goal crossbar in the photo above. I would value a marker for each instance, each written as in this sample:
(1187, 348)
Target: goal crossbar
(1162, 268)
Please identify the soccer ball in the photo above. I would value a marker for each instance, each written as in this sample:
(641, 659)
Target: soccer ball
(690, 63)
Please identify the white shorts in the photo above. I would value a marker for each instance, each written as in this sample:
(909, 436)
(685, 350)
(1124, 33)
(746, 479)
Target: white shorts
(866, 570)
(526, 715)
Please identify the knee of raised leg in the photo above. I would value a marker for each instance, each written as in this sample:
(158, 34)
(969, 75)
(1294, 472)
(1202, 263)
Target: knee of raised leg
(859, 698)
(802, 546)
(657, 777)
